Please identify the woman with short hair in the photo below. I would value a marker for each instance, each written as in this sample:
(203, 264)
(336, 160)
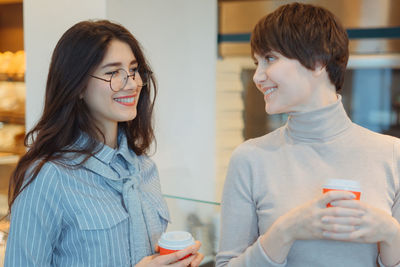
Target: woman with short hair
(273, 209)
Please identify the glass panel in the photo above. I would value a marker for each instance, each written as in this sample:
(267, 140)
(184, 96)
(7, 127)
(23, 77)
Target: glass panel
(201, 219)
(371, 98)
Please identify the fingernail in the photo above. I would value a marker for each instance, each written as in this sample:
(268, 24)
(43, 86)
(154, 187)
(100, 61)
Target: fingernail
(324, 220)
(333, 203)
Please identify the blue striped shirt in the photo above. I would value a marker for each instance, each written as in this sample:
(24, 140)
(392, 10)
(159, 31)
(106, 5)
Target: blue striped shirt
(108, 212)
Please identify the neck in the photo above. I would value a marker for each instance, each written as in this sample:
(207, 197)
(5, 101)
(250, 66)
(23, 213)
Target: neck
(324, 95)
(110, 132)
(111, 139)
(322, 92)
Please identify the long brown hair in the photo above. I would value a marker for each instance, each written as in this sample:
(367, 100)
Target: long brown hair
(65, 117)
(305, 32)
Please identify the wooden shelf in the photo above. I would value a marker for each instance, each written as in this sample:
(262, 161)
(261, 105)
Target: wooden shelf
(18, 149)
(12, 117)
(11, 78)
(11, 25)
(11, 2)
(8, 158)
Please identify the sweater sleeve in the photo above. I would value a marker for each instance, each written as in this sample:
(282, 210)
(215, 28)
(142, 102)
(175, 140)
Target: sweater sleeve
(396, 204)
(35, 222)
(239, 243)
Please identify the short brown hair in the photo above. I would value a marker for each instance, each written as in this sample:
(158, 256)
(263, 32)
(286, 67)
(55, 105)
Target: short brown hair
(308, 33)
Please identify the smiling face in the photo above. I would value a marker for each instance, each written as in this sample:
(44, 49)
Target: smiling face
(286, 84)
(106, 106)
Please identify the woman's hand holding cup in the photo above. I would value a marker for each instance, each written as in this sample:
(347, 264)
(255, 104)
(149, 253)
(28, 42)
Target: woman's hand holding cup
(373, 226)
(172, 260)
(179, 255)
(306, 221)
(337, 214)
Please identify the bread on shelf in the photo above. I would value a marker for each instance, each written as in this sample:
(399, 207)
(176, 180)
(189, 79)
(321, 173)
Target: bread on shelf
(12, 65)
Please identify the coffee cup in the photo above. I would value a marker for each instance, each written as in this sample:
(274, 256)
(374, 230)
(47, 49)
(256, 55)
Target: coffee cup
(343, 185)
(174, 241)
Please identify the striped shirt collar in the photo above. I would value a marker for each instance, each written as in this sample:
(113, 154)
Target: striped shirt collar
(105, 155)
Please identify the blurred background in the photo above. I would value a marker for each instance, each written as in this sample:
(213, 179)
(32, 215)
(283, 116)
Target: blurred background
(207, 103)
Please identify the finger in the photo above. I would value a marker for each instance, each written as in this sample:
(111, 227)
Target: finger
(189, 250)
(152, 257)
(342, 212)
(355, 221)
(169, 258)
(184, 262)
(351, 204)
(157, 248)
(147, 259)
(338, 228)
(335, 195)
(349, 236)
(337, 236)
(176, 256)
(197, 260)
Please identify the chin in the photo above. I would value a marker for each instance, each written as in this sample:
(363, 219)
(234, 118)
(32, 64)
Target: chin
(270, 111)
(128, 117)
(276, 108)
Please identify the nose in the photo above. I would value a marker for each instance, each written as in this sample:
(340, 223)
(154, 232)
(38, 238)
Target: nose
(132, 83)
(260, 75)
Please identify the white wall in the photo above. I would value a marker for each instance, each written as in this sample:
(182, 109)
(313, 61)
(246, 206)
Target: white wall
(44, 23)
(179, 38)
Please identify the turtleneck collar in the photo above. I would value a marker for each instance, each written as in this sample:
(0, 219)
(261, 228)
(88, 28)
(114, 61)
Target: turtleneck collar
(318, 125)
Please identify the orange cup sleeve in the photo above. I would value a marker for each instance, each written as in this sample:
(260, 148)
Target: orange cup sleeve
(164, 251)
(356, 193)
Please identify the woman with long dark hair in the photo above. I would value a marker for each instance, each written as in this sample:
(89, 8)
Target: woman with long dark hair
(86, 193)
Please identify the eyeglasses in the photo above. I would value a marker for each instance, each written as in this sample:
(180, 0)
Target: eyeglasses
(119, 79)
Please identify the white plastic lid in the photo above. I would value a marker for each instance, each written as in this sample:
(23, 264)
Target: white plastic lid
(175, 240)
(342, 184)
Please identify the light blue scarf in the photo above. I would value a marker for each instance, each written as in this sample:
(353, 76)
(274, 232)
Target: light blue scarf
(136, 179)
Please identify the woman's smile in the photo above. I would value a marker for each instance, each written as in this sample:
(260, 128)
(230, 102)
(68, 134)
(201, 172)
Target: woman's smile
(268, 91)
(126, 100)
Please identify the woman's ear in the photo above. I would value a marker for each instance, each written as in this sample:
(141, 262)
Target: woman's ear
(319, 69)
(81, 94)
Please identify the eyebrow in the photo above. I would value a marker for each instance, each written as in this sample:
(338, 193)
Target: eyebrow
(117, 64)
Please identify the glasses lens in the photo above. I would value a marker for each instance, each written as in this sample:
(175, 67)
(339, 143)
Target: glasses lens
(119, 80)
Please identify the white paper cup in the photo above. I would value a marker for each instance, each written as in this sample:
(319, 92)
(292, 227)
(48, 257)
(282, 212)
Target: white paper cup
(174, 241)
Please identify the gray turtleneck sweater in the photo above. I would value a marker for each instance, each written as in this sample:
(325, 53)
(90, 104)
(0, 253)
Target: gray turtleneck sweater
(272, 174)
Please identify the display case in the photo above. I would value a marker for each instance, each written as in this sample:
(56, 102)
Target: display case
(12, 102)
(12, 85)
(12, 115)
(199, 217)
